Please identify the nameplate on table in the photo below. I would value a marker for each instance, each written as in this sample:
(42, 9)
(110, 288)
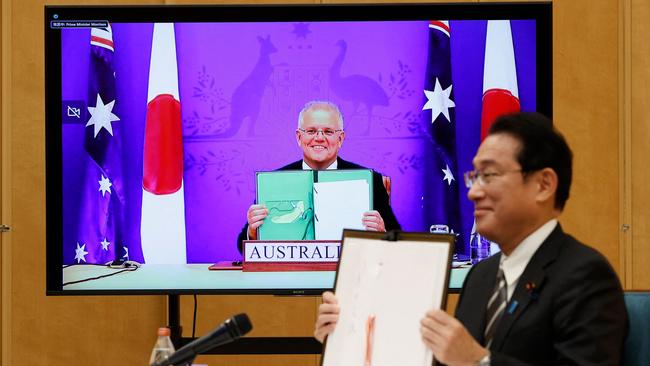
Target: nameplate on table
(291, 255)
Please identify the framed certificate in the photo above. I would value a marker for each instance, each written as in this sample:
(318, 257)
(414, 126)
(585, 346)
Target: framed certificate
(385, 283)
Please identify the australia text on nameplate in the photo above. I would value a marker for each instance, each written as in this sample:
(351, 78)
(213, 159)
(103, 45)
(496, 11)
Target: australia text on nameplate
(292, 251)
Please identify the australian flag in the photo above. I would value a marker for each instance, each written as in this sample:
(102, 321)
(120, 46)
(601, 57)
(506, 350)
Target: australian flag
(101, 223)
(441, 200)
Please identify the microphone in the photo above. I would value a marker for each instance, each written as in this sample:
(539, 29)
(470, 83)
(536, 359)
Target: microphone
(226, 332)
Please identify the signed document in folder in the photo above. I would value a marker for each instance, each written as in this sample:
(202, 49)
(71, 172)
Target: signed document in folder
(384, 289)
(340, 205)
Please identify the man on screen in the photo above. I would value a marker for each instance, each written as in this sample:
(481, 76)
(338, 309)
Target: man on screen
(546, 298)
(320, 135)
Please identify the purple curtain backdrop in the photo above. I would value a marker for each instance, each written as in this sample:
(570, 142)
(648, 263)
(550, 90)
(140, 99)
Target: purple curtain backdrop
(241, 88)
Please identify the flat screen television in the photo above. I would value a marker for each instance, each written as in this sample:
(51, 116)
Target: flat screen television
(412, 82)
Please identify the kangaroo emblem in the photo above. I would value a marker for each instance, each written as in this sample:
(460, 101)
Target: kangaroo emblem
(247, 97)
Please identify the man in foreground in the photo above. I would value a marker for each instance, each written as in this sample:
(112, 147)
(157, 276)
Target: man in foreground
(545, 299)
(320, 135)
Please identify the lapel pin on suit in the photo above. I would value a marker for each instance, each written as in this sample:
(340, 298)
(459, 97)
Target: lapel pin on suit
(533, 291)
(513, 306)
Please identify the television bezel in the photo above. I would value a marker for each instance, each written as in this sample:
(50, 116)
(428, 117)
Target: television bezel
(541, 12)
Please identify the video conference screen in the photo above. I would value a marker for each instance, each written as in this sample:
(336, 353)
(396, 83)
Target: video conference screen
(410, 81)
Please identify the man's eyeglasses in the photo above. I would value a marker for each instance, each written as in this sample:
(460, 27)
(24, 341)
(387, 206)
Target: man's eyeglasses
(312, 132)
(484, 178)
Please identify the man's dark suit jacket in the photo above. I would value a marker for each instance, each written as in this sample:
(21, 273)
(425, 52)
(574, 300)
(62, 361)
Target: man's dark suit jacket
(379, 199)
(567, 308)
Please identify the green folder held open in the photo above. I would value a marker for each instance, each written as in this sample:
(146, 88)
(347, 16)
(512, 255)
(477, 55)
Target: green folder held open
(289, 197)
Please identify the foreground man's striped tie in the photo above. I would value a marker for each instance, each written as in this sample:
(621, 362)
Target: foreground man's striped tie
(496, 306)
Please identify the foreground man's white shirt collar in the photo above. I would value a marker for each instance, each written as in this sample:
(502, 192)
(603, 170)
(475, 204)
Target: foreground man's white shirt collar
(514, 264)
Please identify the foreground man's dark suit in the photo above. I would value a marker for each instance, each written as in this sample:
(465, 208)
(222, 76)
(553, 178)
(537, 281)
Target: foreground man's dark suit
(567, 308)
(379, 197)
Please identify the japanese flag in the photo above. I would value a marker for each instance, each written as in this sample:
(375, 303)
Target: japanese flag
(500, 92)
(163, 206)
